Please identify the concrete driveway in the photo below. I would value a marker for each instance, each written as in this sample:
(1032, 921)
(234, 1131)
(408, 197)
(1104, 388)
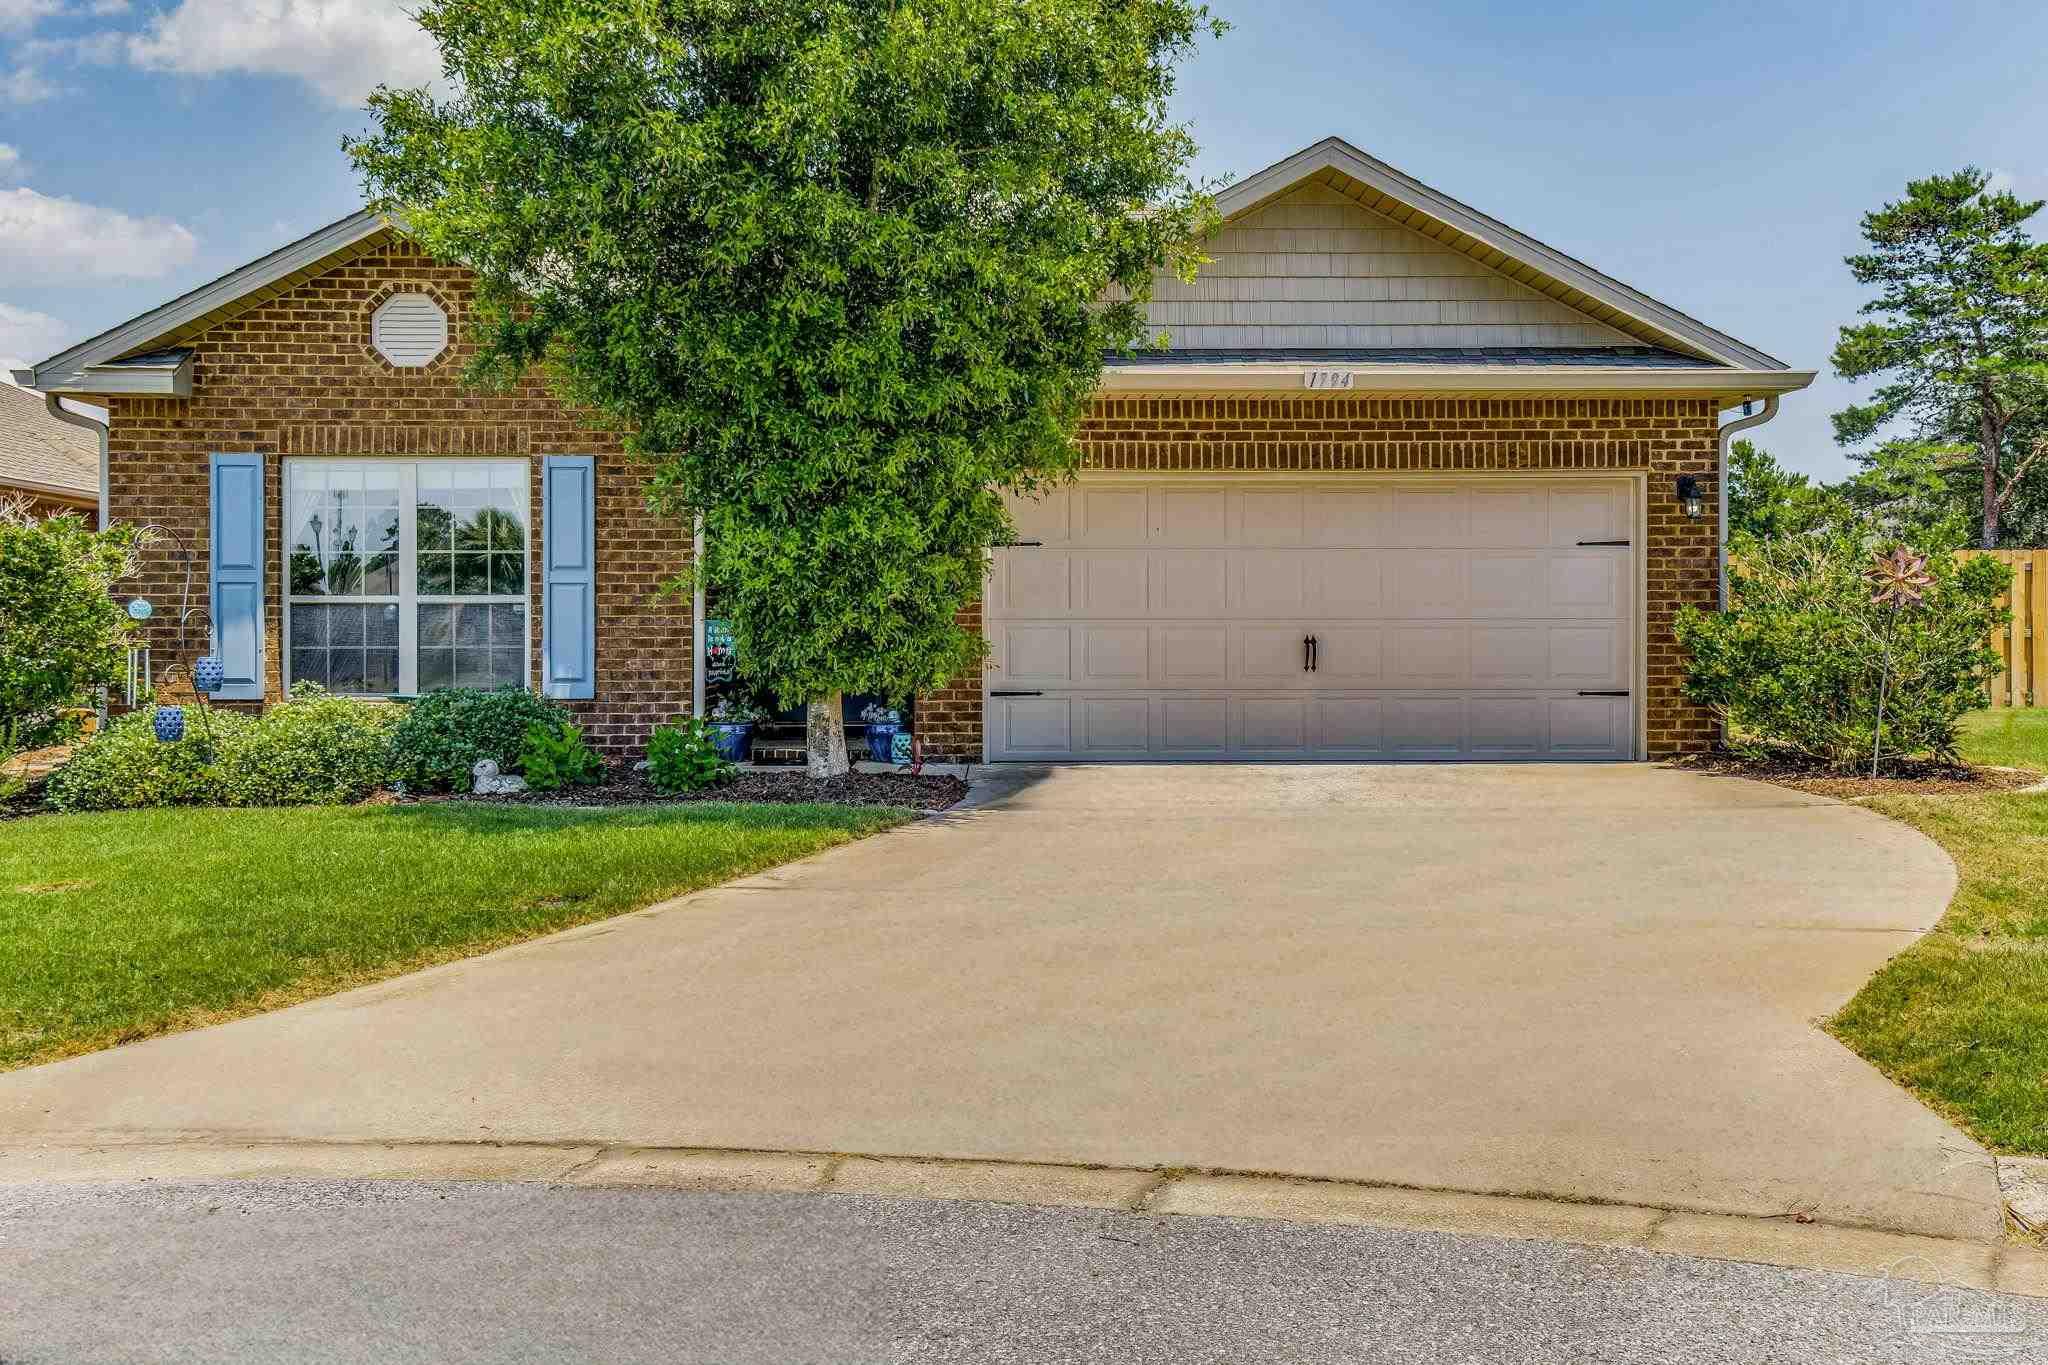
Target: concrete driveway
(1593, 982)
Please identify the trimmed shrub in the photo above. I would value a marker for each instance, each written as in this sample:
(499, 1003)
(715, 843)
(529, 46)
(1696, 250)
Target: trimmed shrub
(1806, 652)
(314, 750)
(681, 757)
(125, 766)
(443, 734)
(555, 756)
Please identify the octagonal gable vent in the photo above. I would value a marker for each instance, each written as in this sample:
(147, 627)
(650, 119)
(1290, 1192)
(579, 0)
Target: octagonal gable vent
(409, 330)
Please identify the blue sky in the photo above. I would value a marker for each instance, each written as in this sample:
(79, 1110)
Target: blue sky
(1716, 156)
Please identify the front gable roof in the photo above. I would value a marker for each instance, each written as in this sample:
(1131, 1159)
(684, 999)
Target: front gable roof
(1391, 194)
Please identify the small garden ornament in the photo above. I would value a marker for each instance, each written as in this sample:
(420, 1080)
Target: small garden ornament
(169, 723)
(1898, 580)
(490, 782)
(882, 724)
(209, 674)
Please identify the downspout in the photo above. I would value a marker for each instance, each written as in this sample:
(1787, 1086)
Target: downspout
(1728, 430)
(56, 408)
(697, 619)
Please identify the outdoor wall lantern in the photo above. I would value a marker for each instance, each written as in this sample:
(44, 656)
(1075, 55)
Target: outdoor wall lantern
(1690, 500)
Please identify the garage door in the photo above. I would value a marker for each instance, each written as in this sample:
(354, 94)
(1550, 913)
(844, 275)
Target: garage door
(1164, 620)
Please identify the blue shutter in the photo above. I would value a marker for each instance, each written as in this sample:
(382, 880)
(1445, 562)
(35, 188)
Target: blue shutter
(568, 523)
(236, 600)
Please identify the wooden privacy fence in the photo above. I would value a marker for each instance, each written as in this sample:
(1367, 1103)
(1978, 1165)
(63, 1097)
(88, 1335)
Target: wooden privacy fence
(2022, 643)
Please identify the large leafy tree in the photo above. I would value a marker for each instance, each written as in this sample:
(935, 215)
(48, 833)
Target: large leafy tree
(844, 270)
(1958, 334)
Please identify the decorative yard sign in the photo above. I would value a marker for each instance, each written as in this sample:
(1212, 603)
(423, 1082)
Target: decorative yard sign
(1328, 379)
(721, 658)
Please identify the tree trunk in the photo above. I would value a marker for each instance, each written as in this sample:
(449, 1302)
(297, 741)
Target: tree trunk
(1989, 437)
(825, 737)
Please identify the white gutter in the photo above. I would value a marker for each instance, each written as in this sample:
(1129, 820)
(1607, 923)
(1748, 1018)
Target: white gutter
(1495, 379)
(1728, 430)
(78, 419)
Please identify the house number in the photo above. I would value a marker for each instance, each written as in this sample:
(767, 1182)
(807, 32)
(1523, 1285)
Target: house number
(1328, 379)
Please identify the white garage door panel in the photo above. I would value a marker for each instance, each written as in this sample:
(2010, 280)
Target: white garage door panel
(1165, 619)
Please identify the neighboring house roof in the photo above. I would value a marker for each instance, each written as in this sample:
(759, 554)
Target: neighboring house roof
(40, 454)
(1405, 286)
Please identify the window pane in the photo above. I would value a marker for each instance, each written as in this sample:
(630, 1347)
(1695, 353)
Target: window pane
(345, 670)
(435, 576)
(307, 580)
(508, 575)
(382, 530)
(472, 626)
(433, 526)
(380, 627)
(474, 532)
(380, 576)
(380, 670)
(508, 528)
(508, 623)
(437, 669)
(309, 625)
(508, 668)
(309, 666)
(437, 627)
(345, 626)
(472, 575)
(472, 668)
(345, 575)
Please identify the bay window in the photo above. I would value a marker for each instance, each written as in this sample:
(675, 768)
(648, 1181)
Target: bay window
(403, 576)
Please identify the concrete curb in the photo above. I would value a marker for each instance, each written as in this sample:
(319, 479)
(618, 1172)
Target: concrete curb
(1166, 1192)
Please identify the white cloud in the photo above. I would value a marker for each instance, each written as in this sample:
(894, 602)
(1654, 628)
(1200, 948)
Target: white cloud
(27, 336)
(26, 85)
(342, 48)
(11, 164)
(20, 15)
(52, 239)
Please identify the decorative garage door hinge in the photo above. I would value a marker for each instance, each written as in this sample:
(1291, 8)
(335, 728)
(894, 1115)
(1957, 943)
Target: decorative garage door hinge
(1016, 694)
(1603, 542)
(1021, 545)
(1596, 692)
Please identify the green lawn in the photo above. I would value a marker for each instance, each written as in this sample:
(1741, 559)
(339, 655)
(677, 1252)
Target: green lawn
(1961, 1017)
(115, 927)
(2009, 738)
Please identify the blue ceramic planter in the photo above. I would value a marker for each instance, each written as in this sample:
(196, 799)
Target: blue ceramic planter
(882, 743)
(169, 722)
(735, 743)
(208, 674)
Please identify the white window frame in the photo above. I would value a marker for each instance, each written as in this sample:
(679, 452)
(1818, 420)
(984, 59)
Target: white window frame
(409, 598)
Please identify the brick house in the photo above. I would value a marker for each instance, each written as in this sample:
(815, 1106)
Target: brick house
(1406, 484)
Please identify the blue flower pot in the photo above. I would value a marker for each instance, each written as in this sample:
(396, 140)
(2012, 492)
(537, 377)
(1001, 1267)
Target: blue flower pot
(209, 673)
(734, 742)
(170, 723)
(882, 743)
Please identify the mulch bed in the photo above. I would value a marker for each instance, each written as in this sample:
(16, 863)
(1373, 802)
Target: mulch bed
(1901, 777)
(624, 787)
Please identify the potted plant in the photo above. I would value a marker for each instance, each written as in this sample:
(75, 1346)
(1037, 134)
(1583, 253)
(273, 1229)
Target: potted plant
(732, 722)
(882, 723)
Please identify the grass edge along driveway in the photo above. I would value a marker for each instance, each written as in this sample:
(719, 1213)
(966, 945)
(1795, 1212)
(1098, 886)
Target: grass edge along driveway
(125, 925)
(1961, 1017)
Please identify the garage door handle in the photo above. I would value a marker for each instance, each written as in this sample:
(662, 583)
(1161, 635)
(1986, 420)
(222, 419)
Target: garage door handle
(1596, 693)
(1308, 653)
(1016, 694)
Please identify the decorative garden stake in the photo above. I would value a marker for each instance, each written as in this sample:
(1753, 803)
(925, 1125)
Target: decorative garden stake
(169, 723)
(209, 674)
(1898, 580)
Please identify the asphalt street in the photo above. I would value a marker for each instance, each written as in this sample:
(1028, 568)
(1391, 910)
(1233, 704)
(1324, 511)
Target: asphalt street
(389, 1272)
